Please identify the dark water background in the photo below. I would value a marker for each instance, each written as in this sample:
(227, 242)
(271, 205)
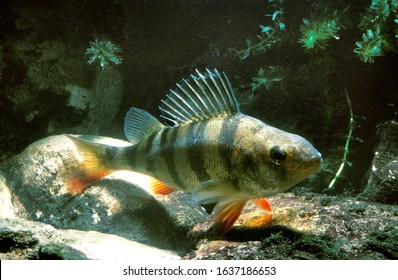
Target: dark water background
(165, 41)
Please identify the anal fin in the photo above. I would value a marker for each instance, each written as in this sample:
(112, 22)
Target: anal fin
(83, 179)
(263, 203)
(158, 187)
(226, 213)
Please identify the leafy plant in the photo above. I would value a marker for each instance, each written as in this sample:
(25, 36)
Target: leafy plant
(379, 20)
(270, 34)
(265, 79)
(318, 31)
(370, 46)
(104, 52)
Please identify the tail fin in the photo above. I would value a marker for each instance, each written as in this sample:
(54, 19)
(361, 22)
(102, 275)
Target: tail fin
(92, 168)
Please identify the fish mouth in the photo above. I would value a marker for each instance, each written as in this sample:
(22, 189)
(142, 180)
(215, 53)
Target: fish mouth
(310, 165)
(314, 163)
(316, 159)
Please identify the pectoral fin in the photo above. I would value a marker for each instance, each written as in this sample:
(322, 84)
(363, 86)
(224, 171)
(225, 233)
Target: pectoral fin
(263, 203)
(230, 202)
(214, 191)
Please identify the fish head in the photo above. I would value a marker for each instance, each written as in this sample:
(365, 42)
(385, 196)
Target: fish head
(283, 159)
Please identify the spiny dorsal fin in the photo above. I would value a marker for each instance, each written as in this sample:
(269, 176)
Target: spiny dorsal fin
(139, 125)
(200, 97)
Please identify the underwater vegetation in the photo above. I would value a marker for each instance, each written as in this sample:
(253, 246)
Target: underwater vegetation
(265, 78)
(270, 34)
(104, 52)
(347, 143)
(370, 46)
(317, 31)
(380, 26)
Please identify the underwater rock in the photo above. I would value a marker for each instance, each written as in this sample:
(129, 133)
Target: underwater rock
(382, 182)
(52, 90)
(6, 204)
(105, 99)
(22, 239)
(309, 226)
(34, 182)
(78, 97)
(102, 101)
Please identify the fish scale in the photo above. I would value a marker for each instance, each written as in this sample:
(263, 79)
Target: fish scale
(212, 151)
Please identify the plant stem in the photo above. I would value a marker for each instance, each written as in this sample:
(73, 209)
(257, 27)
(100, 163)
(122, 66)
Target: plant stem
(347, 142)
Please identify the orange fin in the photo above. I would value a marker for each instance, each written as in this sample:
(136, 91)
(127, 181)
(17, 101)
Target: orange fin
(158, 187)
(81, 180)
(226, 213)
(263, 203)
(90, 170)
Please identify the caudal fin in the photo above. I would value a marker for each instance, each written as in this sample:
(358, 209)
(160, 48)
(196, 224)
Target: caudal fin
(90, 169)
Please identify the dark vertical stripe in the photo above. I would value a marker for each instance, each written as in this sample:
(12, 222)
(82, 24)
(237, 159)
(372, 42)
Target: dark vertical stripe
(110, 152)
(167, 143)
(195, 140)
(110, 156)
(163, 137)
(132, 156)
(149, 159)
(226, 139)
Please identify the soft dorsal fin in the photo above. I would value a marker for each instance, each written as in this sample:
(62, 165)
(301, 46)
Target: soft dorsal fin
(200, 97)
(139, 125)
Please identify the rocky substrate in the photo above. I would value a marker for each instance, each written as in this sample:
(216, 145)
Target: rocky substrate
(118, 218)
(309, 227)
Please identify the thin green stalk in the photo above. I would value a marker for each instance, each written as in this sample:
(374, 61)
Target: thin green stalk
(347, 142)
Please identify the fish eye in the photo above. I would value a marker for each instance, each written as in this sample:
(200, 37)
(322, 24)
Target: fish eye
(277, 155)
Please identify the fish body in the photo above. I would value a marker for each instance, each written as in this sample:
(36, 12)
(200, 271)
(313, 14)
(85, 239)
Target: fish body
(212, 151)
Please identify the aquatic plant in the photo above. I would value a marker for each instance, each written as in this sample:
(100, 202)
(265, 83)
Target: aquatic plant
(270, 34)
(265, 78)
(104, 52)
(370, 46)
(378, 22)
(380, 11)
(347, 143)
(266, 40)
(318, 31)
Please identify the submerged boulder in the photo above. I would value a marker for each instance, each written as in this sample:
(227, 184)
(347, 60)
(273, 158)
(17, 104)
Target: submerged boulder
(311, 227)
(382, 181)
(22, 239)
(33, 188)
